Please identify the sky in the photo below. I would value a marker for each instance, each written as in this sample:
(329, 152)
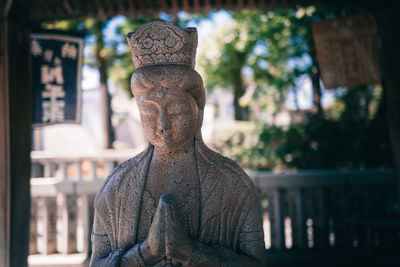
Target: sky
(205, 28)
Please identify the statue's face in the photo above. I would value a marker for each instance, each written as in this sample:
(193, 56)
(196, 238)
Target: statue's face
(169, 117)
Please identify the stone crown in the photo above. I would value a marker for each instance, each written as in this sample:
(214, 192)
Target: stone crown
(163, 43)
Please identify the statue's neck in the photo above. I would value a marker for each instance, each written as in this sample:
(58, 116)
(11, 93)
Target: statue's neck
(168, 157)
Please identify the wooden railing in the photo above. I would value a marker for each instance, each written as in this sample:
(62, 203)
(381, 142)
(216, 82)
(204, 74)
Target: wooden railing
(328, 209)
(303, 210)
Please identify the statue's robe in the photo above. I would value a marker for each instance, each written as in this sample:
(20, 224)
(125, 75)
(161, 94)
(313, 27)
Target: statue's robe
(229, 206)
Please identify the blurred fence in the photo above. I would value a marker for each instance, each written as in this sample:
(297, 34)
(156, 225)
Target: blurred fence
(329, 209)
(323, 210)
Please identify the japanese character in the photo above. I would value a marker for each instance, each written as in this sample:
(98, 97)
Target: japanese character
(69, 50)
(48, 55)
(53, 109)
(36, 50)
(49, 75)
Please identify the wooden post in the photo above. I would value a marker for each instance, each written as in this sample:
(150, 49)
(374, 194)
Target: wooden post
(15, 134)
(320, 218)
(277, 219)
(4, 150)
(388, 18)
(299, 227)
(338, 205)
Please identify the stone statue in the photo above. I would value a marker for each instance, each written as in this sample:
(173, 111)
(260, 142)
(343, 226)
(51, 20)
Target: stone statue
(178, 203)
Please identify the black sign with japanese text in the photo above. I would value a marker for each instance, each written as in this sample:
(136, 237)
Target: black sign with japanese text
(56, 70)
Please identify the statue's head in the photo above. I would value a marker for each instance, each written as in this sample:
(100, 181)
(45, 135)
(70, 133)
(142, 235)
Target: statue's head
(169, 92)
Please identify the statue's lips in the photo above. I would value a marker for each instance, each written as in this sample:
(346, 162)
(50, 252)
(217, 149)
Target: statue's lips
(163, 137)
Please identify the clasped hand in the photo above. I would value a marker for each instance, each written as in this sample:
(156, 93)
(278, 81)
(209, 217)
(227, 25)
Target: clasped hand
(167, 236)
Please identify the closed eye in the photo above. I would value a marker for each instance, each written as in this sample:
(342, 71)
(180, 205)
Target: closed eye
(178, 108)
(149, 108)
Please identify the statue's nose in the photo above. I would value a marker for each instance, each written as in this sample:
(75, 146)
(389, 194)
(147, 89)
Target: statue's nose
(162, 123)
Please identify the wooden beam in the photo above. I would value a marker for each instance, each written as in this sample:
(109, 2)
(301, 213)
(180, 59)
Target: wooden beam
(79, 8)
(196, 6)
(109, 8)
(218, 4)
(283, 4)
(207, 6)
(154, 9)
(175, 8)
(89, 10)
(59, 12)
(142, 8)
(67, 7)
(122, 8)
(185, 6)
(250, 4)
(75, 5)
(100, 10)
(132, 9)
(239, 6)
(261, 4)
(272, 4)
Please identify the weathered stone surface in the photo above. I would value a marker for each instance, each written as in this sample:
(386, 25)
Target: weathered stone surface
(178, 203)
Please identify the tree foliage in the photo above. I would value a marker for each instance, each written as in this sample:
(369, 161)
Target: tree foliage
(358, 138)
(276, 48)
(272, 46)
(266, 51)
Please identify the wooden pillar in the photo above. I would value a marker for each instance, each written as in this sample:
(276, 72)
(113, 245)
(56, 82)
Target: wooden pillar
(15, 131)
(20, 140)
(4, 150)
(388, 19)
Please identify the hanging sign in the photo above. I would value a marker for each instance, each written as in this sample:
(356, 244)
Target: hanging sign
(56, 77)
(347, 51)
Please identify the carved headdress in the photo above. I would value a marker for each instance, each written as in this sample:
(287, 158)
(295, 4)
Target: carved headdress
(163, 43)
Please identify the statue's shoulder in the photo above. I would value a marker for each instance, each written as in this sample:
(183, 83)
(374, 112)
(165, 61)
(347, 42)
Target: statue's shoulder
(118, 174)
(232, 170)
